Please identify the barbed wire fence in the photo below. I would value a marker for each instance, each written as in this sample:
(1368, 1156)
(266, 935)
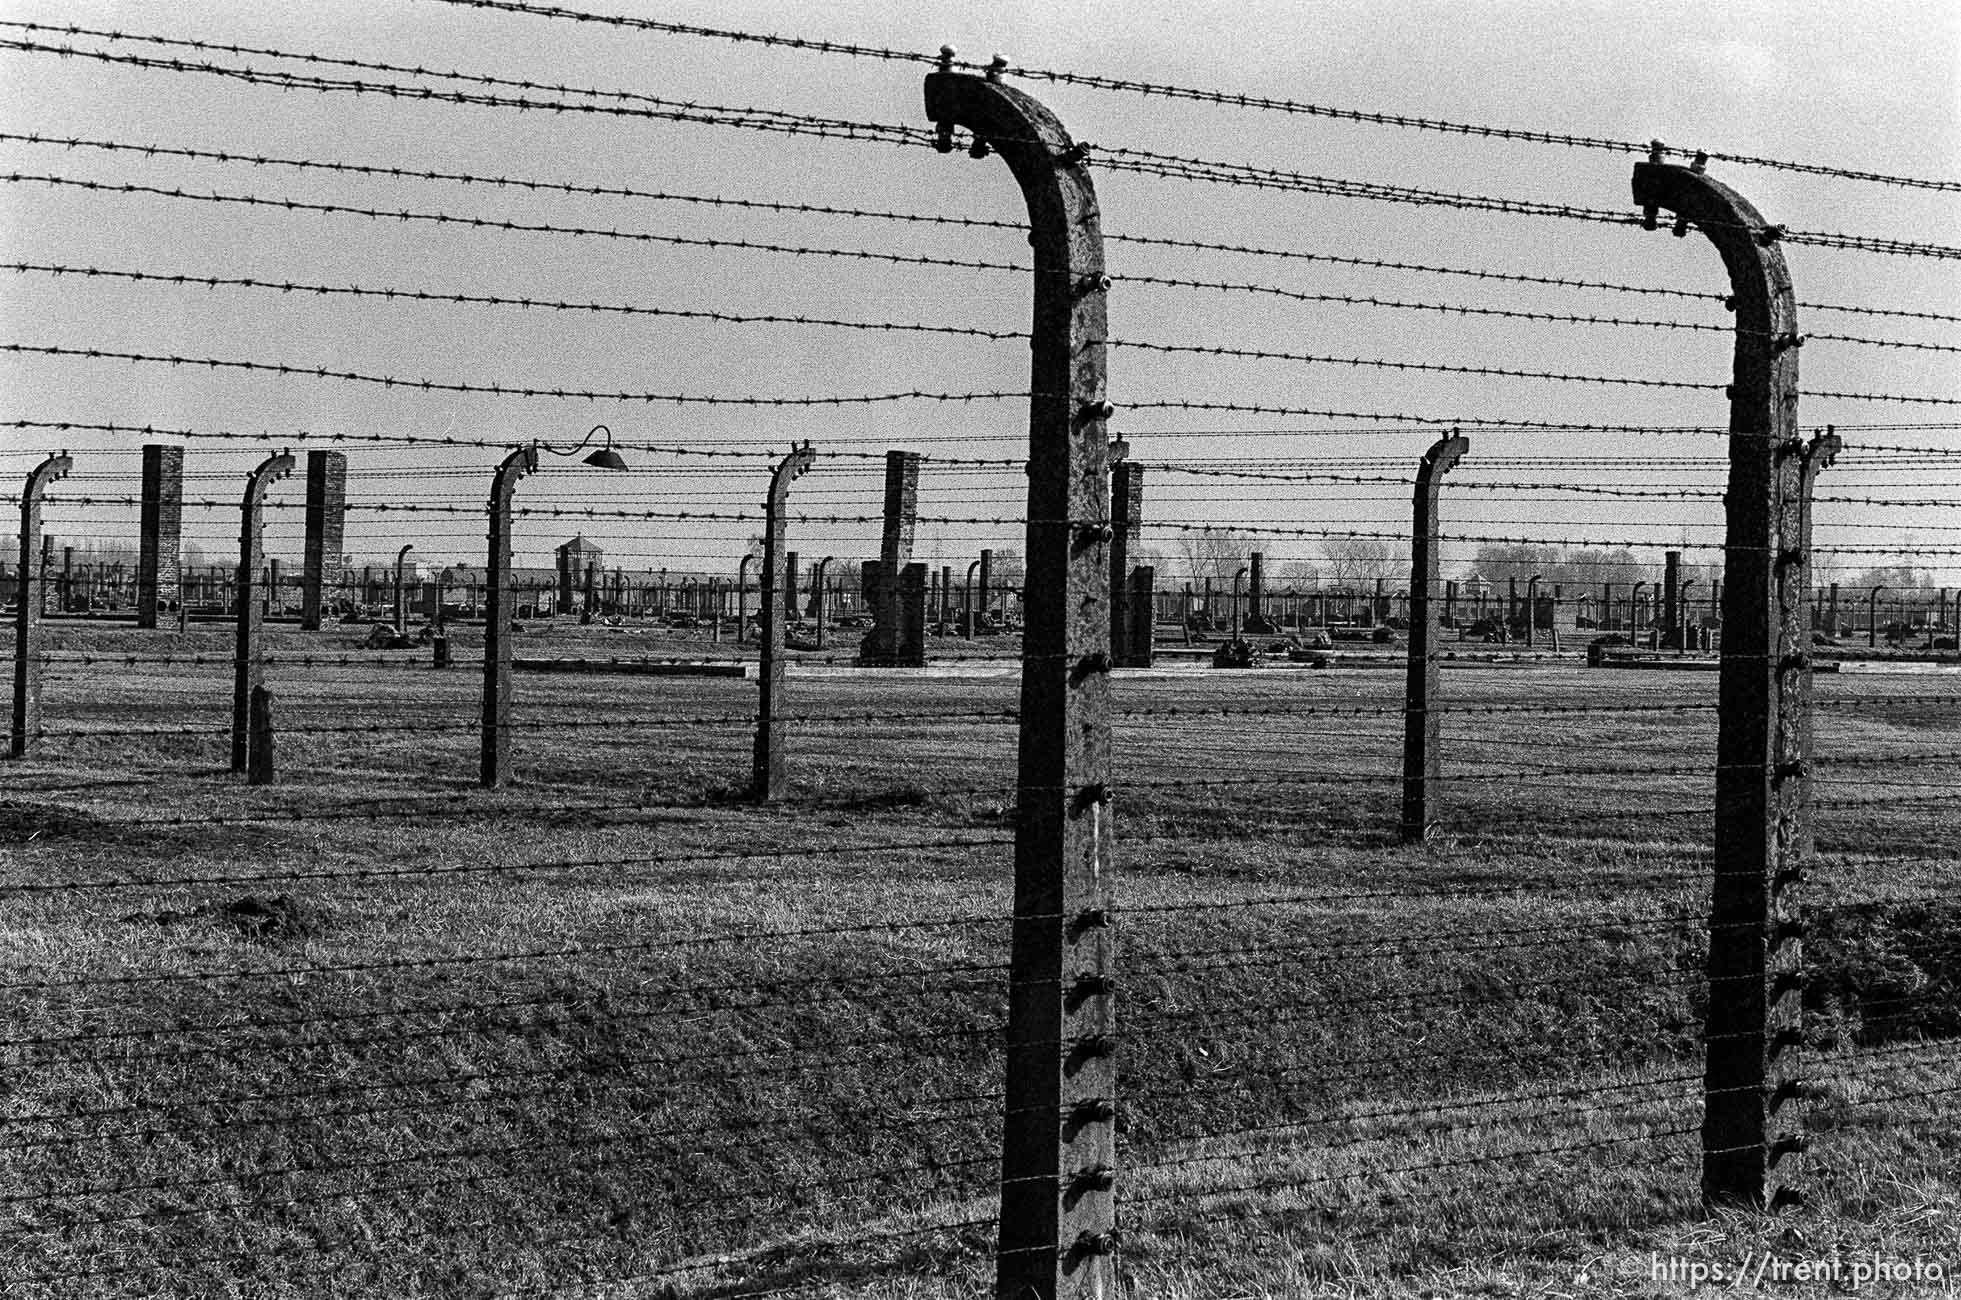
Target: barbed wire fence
(670, 1035)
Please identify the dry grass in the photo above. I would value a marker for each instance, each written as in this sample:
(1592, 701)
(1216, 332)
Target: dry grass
(1448, 1071)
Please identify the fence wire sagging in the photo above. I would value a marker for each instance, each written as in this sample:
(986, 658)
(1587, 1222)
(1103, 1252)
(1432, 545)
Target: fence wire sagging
(733, 806)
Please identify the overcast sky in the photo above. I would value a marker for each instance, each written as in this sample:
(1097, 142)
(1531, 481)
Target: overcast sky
(1872, 87)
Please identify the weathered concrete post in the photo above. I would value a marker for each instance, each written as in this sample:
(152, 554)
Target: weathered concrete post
(1634, 611)
(326, 530)
(986, 581)
(1819, 454)
(1872, 616)
(766, 773)
(158, 567)
(823, 567)
(894, 554)
(1671, 600)
(1255, 619)
(65, 603)
(969, 611)
(1684, 622)
(1234, 616)
(1422, 746)
(742, 599)
(1126, 530)
(1532, 610)
(495, 756)
(401, 589)
(27, 656)
(946, 597)
(259, 768)
(1751, 1132)
(1142, 641)
(910, 606)
(248, 660)
(787, 586)
(1058, 1153)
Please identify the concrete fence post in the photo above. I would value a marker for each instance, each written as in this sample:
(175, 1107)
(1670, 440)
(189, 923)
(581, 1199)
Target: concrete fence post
(909, 604)
(1141, 644)
(1255, 619)
(1126, 529)
(986, 580)
(326, 531)
(1872, 616)
(1059, 1138)
(494, 761)
(27, 655)
(1671, 601)
(968, 612)
(160, 525)
(401, 589)
(259, 766)
(1751, 1129)
(820, 606)
(1819, 454)
(742, 600)
(767, 770)
(248, 660)
(1422, 747)
(894, 555)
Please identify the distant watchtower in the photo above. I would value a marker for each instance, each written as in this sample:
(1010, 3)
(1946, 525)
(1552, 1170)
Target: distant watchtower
(574, 558)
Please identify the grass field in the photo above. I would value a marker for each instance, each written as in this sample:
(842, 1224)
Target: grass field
(613, 1031)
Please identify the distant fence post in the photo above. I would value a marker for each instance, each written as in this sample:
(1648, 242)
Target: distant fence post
(823, 571)
(1819, 454)
(1254, 620)
(766, 772)
(259, 766)
(1751, 1129)
(1141, 642)
(160, 527)
(1422, 757)
(1058, 1152)
(27, 656)
(248, 660)
(1671, 600)
(986, 593)
(326, 530)
(494, 763)
(401, 589)
(894, 554)
(742, 599)
(909, 603)
(1126, 529)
